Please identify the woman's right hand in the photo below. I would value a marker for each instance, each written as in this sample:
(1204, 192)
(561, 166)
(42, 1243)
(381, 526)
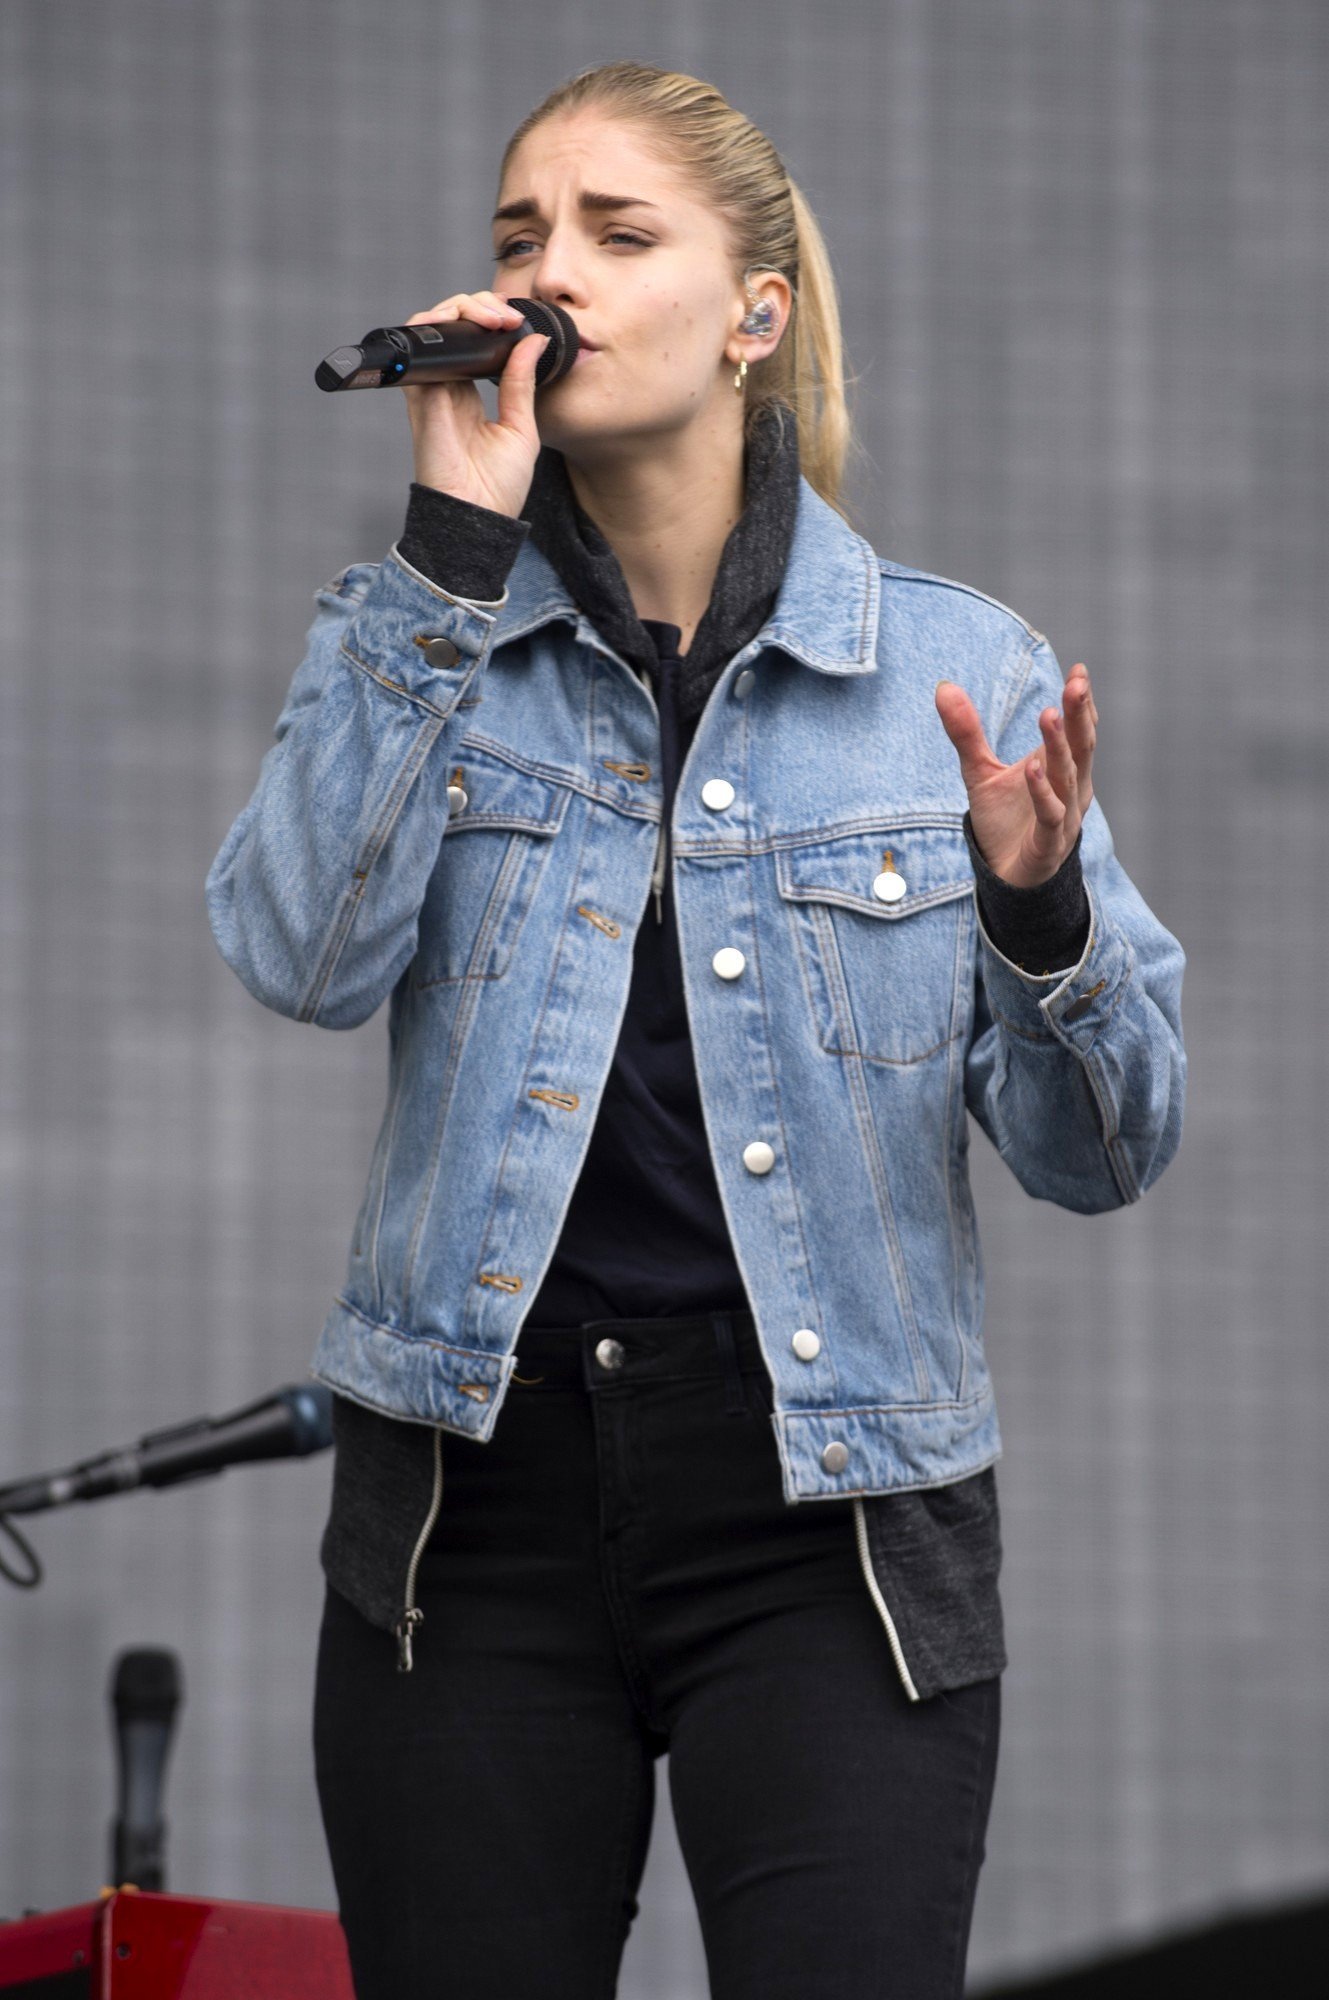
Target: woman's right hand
(457, 449)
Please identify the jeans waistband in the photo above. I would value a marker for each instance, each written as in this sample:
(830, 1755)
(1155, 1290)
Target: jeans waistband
(605, 1352)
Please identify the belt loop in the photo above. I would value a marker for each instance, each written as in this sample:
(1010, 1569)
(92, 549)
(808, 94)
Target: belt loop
(735, 1401)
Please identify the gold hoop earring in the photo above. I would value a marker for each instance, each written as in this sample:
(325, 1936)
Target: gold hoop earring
(742, 375)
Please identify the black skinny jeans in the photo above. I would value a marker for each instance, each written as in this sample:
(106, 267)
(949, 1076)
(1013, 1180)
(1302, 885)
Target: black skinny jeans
(614, 1575)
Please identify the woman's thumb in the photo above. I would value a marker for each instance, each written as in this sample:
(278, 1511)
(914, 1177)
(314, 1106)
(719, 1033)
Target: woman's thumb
(516, 385)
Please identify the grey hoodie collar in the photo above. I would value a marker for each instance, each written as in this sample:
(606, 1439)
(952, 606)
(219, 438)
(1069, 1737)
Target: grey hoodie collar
(747, 582)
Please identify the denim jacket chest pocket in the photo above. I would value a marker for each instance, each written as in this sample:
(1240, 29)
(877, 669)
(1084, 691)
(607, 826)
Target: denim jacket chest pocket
(501, 825)
(883, 921)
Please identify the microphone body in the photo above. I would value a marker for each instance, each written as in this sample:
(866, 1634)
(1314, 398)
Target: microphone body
(451, 350)
(145, 1693)
(288, 1424)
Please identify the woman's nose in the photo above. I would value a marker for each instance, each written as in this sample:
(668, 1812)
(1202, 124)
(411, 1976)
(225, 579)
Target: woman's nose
(559, 276)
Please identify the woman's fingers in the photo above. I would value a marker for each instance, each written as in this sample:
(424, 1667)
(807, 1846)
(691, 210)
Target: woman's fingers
(479, 306)
(962, 723)
(1081, 712)
(457, 449)
(1059, 777)
(1060, 762)
(1081, 726)
(1049, 810)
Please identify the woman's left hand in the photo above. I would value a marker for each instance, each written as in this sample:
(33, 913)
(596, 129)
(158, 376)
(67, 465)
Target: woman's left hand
(1026, 816)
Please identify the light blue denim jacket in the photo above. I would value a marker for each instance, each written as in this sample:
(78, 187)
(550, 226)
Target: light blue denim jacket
(460, 815)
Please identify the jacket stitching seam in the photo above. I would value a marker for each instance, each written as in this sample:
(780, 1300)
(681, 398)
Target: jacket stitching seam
(485, 1252)
(960, 987)
(468, 1000)
(353, 898)
(473, 1356)
(467, 604)
(918, 1407)
(775, 1089)
(393, 687)
(902, 573)
(869, 1139)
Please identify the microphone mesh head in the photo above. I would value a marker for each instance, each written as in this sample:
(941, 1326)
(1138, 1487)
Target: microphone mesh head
(561, 352)
(147, 1683)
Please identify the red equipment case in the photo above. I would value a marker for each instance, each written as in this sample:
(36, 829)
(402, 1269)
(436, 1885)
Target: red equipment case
(136, 1945)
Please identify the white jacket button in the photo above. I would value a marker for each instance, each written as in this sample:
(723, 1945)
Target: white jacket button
(442, 653)
(805, 1344)
(758, 1157)
(457, 800)
(728, 961)
(888, 886)
(609, 1353)
(743, 683)
(835, 1457)
(717, 793)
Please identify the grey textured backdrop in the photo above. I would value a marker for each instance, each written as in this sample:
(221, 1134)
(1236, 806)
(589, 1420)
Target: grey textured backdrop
(1082, 250)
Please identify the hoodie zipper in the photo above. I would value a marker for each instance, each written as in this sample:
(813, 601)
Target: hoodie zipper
(658, 874)
(861, 1531)
(412, 1615)
(661, 839)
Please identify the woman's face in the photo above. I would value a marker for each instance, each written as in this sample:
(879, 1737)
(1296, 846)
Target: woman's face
(647, 281)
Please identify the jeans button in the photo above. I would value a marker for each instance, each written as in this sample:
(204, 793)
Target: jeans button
(835, 1457)
(609, 1353)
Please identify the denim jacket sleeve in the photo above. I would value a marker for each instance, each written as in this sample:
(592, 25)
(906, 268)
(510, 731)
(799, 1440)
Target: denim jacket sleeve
(315, 894)
(1078, 1076)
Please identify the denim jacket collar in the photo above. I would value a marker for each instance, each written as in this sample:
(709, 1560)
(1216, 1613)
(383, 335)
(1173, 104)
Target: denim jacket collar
(747, 580)
(826, 614)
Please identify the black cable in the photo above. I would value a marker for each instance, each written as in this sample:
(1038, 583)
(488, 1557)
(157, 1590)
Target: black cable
(30, 1581)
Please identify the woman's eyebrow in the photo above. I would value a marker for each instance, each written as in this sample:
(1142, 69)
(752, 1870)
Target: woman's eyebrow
(587, 201)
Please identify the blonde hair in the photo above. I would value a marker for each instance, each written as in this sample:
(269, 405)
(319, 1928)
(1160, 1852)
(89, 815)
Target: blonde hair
(770, 228)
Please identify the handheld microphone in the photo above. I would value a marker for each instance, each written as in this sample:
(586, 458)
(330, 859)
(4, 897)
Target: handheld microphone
(288, 1424)
(450, 350)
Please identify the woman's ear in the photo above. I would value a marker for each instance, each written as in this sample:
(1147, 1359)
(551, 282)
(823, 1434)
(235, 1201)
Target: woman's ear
(763, 314)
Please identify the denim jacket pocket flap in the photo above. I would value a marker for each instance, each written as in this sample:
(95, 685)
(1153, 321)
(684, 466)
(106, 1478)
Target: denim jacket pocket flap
(882, 916)
(491, 859)
(484, 790)
(888, 869)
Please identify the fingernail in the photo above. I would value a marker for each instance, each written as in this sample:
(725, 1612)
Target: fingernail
(941, 684)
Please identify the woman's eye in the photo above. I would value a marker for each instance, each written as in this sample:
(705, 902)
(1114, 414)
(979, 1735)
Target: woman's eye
(519, 243)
